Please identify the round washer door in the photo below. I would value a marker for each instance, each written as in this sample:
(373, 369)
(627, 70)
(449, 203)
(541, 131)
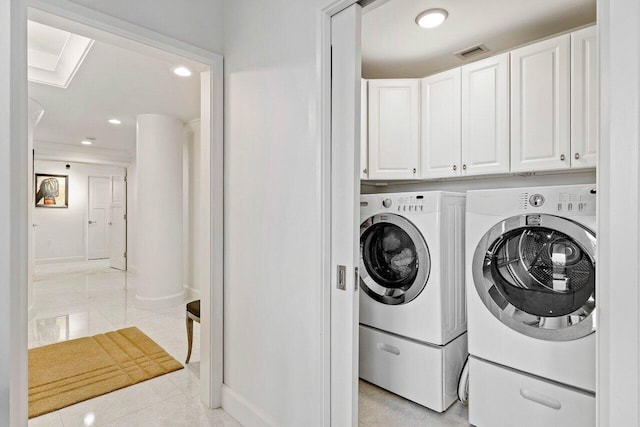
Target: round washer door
(536, 274)
(394, 259)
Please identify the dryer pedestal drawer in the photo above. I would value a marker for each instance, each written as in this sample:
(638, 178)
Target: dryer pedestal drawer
(423, 373)
(502, 397)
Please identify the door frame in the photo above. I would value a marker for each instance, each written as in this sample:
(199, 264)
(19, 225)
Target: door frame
(14, 404)
(618, 319)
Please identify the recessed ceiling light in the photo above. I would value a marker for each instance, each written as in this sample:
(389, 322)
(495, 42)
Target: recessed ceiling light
(431, 18)
(114, 121)
(181, 71)
(85, 142)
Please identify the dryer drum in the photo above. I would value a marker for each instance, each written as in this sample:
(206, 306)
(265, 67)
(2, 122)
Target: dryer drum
(542, 271)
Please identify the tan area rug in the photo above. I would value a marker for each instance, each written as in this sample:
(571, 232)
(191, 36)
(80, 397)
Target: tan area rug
(72, 371)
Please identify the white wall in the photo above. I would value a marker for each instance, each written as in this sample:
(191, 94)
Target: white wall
(61, 234)
(273, 300)
(198, 22)
(191, 187)
(618, 295)
(9, 295)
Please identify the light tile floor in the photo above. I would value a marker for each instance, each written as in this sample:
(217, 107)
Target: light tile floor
(379, 408)
(83, 299)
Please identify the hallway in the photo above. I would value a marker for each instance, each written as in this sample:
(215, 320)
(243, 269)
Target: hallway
(86, 298)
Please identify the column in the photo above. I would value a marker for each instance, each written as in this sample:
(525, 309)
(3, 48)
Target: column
(159, 211)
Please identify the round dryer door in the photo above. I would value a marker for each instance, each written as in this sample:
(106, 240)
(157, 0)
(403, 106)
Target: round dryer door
(536, 274)
(394, 259)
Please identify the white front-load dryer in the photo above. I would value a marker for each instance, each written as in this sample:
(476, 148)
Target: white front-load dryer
(531, 305)
(412, 297)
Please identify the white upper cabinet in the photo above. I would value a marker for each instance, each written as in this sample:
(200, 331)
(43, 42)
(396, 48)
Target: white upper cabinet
(485, 116)
(585, 98)
(364, 139)
(441, 125)
(394, 129)
(540, 108)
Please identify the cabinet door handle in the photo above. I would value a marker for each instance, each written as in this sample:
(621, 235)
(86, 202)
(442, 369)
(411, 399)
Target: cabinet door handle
(364, 171)
(92, 222)
(455, 167)
(562, 157)
(577, 156)
(414, 170)
(464, 167)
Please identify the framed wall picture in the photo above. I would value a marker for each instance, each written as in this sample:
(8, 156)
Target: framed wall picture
(52, 191)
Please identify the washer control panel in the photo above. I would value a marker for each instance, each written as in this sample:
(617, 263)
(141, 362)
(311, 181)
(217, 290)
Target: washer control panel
(413, 204)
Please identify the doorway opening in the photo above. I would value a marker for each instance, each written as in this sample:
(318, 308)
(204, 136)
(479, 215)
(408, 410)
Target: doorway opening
(444, 113)
(103, 97)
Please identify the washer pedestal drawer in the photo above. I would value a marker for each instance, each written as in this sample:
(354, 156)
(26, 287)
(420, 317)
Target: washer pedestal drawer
(503, 397)
(426, 374)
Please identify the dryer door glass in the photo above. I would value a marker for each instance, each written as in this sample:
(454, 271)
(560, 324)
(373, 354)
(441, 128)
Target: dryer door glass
(394, 259)
(536, 273)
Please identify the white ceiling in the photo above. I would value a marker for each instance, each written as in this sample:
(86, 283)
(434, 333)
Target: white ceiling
(393, 46)
(117, 79)
(54, 55)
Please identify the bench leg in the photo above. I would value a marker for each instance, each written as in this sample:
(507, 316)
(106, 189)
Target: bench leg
(189, 337)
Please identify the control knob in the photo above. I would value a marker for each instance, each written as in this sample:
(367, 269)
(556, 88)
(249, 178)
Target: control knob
(536, 200)
(386, 203)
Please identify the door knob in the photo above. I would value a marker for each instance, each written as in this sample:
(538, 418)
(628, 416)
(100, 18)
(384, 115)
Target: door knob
(577, 156)
(455, 167)
(109, 223)
(464, 167)
(562, 157)
(34, 225)
(92, 222)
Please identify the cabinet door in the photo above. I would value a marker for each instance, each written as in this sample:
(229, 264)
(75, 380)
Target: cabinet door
(485, 116)
(585, 100)
(394, 128)
(540, 110)
(364, 138)
(441, 125)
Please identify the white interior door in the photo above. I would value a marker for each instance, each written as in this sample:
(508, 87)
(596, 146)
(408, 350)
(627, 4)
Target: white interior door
(99, 204)
(118, 223)
(345, 215)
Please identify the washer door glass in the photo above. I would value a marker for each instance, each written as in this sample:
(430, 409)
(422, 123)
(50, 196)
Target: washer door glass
(394, 259)
(536, 273)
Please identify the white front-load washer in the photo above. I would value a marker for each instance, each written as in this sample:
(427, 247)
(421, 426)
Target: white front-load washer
(412, 296)
(531, 305)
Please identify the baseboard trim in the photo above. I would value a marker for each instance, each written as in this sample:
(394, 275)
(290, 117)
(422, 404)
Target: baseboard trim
(243, 411)
(59, 260)
(159, 302)
(191, 293)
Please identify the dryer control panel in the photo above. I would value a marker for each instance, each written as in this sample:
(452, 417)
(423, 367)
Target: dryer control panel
(562, 202)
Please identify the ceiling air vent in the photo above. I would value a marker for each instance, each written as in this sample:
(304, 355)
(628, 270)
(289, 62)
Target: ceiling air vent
(471, 51)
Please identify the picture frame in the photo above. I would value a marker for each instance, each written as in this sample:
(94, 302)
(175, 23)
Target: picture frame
(51, 191)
